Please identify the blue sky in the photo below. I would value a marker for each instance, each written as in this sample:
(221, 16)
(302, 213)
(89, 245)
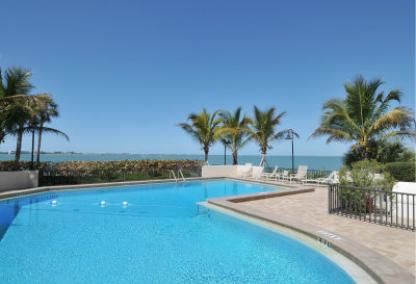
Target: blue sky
(126, 72)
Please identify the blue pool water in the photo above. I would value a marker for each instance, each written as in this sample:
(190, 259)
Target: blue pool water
(161, 236)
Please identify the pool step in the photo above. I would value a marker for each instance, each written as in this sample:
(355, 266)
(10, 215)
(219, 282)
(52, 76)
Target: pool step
(201, 209)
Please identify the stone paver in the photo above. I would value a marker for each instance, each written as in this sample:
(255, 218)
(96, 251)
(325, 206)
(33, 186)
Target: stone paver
(311, 208)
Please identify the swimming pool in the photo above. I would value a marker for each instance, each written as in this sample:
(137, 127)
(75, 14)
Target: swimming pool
(154, 233)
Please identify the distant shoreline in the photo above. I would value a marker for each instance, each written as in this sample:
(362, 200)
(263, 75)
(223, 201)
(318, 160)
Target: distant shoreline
(138, 154)
(42, 153)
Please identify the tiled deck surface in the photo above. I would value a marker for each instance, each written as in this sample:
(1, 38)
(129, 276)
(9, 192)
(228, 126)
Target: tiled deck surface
(311, 208)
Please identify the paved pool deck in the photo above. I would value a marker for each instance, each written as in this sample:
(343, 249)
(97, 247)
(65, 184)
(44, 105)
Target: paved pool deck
(311, 208)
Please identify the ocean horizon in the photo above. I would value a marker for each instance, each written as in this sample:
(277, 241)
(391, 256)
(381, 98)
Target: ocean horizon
(313, 162)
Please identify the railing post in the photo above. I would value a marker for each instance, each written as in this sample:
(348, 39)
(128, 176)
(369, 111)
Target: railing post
(414, 204)
(408, 215)
(330, 188)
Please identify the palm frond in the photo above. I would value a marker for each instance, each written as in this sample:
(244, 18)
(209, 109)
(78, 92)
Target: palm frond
(398, 117)
(364, 116)
(17, 81)
(401, 134)
(334, 134)
(283, 134)
(203, 127)
(234, 128)
(263, 127)
(53, 131)
(394, 95)
(45, 129)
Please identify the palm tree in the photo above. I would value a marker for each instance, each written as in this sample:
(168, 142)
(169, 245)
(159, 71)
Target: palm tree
(46, 109)
(2, 120)
(203, 128)
(364, 117)
(225, 142)
(32, 123)
(263, 129)
(16, 103)
(235, 129)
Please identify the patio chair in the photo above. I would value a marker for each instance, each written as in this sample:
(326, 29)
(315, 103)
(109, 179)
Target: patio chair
(300, 174)
(245, 171)
(257, 172)
(332, 178)
(270, 175)
(283, 176)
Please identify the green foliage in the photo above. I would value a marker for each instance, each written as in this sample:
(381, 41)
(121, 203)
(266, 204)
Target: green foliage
(354, 200)
(388, 152)
(356, 184)
(45, 108)
(203, 128)
(264, 125)
(14, 103)
(402, 171)
(365, 174)
(382, 151)
(78, 172)
(234, 131)
(354, 154)
(21, 112)
(365, 116)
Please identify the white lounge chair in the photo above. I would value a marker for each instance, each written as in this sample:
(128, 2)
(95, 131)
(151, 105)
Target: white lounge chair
(245, 171)
(332, 178)
(283, 176)
(257, 172)
(270, 175)
(300, 174)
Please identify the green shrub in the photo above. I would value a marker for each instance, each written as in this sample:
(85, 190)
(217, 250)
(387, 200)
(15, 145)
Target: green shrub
(382, 151)
(355, 192)
(402, 171)
(78, 172)
(365, 174)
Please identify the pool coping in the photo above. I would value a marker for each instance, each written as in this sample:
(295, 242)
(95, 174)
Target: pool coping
(29, 191)
(379, 267)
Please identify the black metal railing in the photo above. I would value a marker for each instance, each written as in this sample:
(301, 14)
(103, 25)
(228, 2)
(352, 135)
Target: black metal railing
(374, 205)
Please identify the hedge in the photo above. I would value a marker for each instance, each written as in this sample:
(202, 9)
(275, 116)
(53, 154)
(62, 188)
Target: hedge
(78, 172)
(402, 171)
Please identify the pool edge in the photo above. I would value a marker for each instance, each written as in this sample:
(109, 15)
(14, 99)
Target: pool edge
(379, 267)
(4, 195)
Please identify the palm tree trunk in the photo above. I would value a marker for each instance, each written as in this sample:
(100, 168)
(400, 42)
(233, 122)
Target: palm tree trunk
(263, 158)
(206, 150)
(225, 154)
(39, 144)
(32, 154)
(19, 145)
(235, 158)
(367, 152)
